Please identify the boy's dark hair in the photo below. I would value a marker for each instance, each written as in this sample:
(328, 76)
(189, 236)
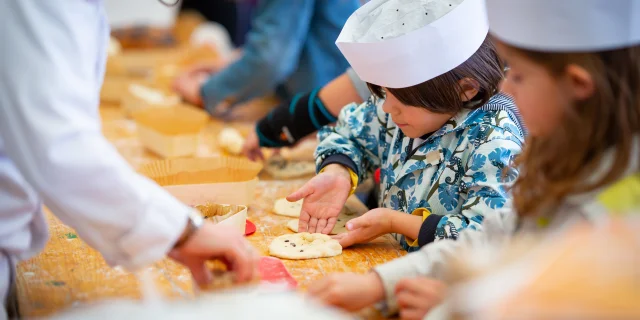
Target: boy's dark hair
(442, 93)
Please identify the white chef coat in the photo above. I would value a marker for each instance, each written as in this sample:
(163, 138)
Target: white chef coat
(52, 151)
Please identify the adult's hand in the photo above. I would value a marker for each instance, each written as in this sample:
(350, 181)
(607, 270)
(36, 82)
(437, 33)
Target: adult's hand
(211, 242)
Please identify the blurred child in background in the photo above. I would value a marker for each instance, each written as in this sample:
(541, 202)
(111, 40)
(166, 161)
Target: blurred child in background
(289, 49)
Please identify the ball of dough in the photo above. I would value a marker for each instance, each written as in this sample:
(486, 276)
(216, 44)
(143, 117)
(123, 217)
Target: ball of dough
(288, 209)
(114, 48)
(231, 140)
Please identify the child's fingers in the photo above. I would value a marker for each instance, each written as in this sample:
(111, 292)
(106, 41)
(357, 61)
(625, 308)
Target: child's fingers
(324, 291)
(426, 286)
(322, 224)
(313, 223)
(325, 297)
(338, 236)
(303, 221)
(407, 284)
(427, 289)
(357, 223)
(251, 154)
(259, 154)
(301, 193)
(331, 223)
(317, 287)
(407, 299)
(349, 239)
(411, 314)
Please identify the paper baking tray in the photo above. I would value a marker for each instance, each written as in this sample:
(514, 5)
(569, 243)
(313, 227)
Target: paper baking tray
(207, 180)
(233, 216)
(171, 132)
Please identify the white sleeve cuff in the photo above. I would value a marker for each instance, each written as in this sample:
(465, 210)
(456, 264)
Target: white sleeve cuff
(155, 234)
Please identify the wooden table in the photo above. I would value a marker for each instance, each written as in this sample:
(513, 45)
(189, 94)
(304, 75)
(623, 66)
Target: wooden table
(69, 273)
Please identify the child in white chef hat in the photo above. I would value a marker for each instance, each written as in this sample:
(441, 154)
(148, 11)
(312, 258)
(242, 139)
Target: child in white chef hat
(575, 76)
(437, 127)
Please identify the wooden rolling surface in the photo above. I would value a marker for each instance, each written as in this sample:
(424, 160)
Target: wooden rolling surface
(69, 273)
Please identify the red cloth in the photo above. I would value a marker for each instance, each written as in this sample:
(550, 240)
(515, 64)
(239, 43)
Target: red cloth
(376, 176)
(272, 270)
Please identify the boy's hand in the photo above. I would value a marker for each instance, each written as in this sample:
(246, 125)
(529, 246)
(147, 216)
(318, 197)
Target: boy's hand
(348, 291)
(188, 86)
(369, 226)
(324, 196)
(417, 296)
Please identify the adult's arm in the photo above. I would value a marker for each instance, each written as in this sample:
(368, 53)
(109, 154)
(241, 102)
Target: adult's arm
(49, 123)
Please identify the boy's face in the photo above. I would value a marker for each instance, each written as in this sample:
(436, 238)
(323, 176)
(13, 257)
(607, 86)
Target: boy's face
(541, 97)
(413, 121)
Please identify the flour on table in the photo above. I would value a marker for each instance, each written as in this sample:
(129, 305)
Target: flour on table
(288, 209)
(300, 246)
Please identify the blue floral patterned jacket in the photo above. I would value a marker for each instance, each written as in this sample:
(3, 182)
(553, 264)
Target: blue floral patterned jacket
(458, 174)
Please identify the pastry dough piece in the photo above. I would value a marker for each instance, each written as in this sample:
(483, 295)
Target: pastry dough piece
(346, 214)
(288, 209)
(280, 168)
(114, 48)
(152, 96)
(231, 141)
(300, 246)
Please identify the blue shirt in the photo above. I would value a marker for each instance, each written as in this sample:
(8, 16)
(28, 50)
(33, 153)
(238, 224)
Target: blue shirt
(292, 44)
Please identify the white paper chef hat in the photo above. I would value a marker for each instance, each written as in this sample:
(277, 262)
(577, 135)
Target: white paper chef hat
(401, 43)
(566, 25)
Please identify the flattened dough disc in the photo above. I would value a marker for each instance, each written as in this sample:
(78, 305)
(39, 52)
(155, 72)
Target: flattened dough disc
(288, 209)
(300, 246)
(230, 140)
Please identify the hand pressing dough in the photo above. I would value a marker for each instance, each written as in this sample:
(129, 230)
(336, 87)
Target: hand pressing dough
(304, 245)
(353, 208)
(231, 140)
(341, 224)
(288, 209)
(280, 168)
